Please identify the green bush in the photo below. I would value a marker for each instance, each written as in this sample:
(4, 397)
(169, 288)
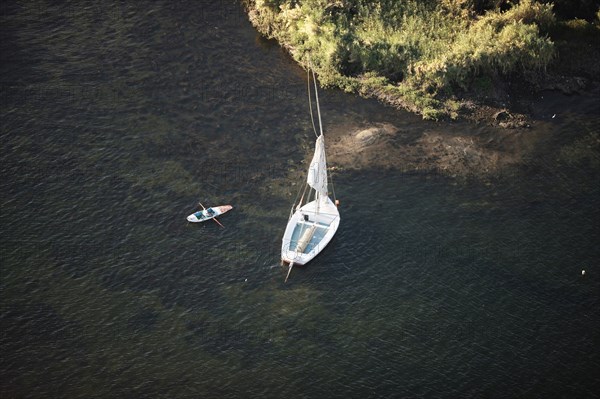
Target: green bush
(407, 48)
(532, 12)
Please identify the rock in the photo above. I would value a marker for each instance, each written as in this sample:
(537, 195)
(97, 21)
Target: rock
(368, 136)
(501, 116)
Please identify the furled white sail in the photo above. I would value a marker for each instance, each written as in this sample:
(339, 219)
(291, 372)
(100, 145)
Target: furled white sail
(317, 172)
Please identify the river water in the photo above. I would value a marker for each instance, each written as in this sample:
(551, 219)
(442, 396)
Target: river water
(117, 118)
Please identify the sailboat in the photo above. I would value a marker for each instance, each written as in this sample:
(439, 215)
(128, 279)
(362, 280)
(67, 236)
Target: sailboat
(311, 226)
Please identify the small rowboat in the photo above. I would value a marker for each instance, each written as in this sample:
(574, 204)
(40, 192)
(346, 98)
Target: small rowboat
(208, 213)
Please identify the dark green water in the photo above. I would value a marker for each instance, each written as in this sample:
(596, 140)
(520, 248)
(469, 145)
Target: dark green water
(117, 118)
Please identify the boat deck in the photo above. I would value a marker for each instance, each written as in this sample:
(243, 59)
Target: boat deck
(318, 235)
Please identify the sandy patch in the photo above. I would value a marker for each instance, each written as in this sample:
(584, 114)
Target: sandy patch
(383, 145)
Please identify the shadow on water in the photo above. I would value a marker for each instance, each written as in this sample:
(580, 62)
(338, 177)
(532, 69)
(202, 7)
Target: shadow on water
(117, 119)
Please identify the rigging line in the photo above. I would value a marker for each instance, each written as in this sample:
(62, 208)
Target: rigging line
(294, 205)
(312, 119)
(298, 194)
(317, 98)
(332, 187)
(299, 204)
(303, 193)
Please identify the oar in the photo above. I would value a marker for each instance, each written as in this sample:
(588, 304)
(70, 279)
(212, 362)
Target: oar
(219, 223)
(213, 218)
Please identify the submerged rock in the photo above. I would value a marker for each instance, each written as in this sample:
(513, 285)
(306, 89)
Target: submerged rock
(449, 151)
(368, 136)
(372, 135)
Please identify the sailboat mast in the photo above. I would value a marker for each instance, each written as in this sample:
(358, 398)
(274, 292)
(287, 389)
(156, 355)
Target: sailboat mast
(318, 108)
(318, 195)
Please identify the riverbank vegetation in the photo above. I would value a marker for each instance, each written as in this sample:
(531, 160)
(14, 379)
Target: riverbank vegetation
(422, 56)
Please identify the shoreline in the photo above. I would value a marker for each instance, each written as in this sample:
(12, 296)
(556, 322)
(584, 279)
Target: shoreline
(501, 100)
(556, 138)
(491, 124)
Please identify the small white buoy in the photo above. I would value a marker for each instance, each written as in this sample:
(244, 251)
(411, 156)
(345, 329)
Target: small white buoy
(246, 280)
(553, 116)
(583, 272)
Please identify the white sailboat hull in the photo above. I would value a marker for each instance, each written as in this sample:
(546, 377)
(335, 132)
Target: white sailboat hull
(308, 232)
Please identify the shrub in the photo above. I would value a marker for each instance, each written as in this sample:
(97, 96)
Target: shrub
(531, 12)
(408, 48)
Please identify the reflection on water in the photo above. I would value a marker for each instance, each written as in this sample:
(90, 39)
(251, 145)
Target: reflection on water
(117, 120)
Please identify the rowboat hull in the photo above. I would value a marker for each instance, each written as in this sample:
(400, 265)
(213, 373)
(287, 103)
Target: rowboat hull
(204, 215)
